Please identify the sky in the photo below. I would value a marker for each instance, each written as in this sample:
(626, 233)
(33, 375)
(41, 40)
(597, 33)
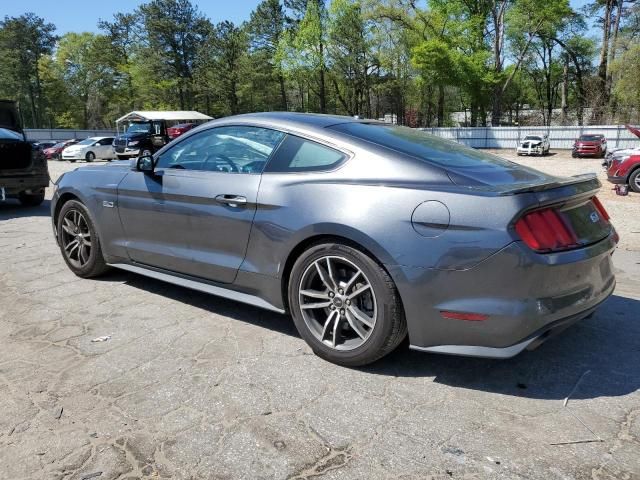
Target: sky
(83, 15)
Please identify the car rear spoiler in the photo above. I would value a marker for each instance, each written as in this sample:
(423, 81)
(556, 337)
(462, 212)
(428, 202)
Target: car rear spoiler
(576, 185)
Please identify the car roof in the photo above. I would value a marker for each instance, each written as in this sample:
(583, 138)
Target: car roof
(305, 121)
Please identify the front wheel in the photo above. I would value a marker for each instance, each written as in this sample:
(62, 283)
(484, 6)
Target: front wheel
(79, 242)
(345, 305)
(634, 181)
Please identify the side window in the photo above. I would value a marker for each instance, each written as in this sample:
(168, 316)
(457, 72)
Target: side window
(234, 149)
(299, 155)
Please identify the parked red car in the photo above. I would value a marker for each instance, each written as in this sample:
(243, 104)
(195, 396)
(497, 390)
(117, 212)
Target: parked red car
(55, 152)
(625, 170)
(177, 130)
(590, 144)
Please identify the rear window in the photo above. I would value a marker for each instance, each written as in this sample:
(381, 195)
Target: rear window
(421, 145)
(296, 154)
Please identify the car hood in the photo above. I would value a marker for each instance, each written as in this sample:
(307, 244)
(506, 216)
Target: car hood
(132, 136)
(75, 148)
(634, 130)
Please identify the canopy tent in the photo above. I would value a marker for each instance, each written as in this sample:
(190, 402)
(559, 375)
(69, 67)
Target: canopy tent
(176, 116)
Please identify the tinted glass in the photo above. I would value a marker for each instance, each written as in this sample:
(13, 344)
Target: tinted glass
(532, 137)
(300, 155)
(87, 141)
(224, 149)
(590, 138)
(423, 146)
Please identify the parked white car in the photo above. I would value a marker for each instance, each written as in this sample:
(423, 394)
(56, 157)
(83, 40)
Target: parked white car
(534, 144)
(89, 149)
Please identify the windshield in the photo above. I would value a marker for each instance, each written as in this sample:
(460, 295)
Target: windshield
(590, 138)
(87, 141)
(532, 138)
(139, 127)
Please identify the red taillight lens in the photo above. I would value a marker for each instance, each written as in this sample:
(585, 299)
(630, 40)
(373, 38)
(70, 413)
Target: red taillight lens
(544, 231)
(603, 213)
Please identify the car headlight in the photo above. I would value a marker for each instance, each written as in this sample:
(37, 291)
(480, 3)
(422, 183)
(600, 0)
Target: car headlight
(133, 144)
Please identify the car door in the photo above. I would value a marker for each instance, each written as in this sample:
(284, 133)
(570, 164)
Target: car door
(104, 148)
(193, 215)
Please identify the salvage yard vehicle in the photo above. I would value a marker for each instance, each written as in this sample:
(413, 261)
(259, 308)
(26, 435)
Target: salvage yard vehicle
(23, 169)
(89, 149)
(534, 145)
(625, 170)
(363, 231)
(145, 132)
(177, 130)
(55, 152)
(589, 145)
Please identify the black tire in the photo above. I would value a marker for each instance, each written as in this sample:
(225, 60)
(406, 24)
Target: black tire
(95, 264)
(574, 155)
(30, 199)
(90, 157)
(72, 160)
(634, 180)
(390, 327)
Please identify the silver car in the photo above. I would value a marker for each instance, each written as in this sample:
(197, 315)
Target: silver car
(363, 232)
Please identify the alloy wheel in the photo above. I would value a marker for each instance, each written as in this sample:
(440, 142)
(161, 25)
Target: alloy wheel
(76, 238)
(337, 302)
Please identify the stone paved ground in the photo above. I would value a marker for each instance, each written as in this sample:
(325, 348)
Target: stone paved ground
(195, 387)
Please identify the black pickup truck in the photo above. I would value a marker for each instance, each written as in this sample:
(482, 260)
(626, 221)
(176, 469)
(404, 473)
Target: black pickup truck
(141, 138)
(23, 169)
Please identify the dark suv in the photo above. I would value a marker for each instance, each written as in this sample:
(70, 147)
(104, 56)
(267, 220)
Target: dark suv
(23, 169)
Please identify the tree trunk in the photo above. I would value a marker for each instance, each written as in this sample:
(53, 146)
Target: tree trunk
(498, 22)
(603, 100)
(323, 97)
(440, 105)
(614, 46)
(564, 92)
(283, 93)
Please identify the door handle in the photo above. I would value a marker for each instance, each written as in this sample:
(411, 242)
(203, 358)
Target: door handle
(232, 200)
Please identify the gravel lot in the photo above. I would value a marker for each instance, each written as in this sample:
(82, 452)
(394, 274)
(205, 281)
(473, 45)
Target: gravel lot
(190, 386)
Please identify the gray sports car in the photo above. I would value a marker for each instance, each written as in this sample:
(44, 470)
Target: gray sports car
(364, 232)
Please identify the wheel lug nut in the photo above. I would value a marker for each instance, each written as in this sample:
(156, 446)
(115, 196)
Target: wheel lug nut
(330, 294)
(340, 291)
(333, 307)
(348, 302)
(342, 312)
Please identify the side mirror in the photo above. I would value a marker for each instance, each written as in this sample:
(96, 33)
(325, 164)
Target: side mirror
(145, 164)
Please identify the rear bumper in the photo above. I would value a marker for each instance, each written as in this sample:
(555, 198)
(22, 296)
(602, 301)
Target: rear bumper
(13, 185)
(523, 294)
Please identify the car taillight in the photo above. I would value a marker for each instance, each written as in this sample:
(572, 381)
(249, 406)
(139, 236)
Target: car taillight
(601, 210)
(545, 231)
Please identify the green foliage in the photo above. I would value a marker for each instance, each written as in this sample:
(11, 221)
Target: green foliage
(414, 61)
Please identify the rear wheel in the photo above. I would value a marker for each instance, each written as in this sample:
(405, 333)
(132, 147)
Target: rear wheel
(90, 157)
(345, 305)
(634, 180)
(31, 199)
(79, 242)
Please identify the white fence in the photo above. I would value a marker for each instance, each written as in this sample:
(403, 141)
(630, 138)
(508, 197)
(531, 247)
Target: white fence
(476, 137)
(508, 137)
(65, 134)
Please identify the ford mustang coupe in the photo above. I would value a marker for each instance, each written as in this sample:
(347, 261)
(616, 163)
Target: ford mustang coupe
(363, 232)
